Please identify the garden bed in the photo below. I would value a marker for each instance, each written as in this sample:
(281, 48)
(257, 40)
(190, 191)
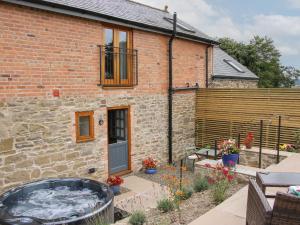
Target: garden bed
(190, 209)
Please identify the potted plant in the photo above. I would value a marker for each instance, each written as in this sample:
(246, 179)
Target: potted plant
(149, 165)
(114, 183)
(248, 142)
(230, 152)
(287, 148)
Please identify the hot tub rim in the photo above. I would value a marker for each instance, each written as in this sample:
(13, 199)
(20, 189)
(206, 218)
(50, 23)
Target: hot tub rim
(6, 194)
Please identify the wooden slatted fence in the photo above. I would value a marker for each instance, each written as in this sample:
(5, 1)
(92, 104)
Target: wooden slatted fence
(224, 113)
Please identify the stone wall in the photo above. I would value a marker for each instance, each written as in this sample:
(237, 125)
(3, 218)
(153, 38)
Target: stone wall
(251, 158)
(37, 139)
(230, 83)
(183, 123)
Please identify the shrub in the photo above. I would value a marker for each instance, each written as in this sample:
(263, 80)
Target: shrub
(219, 191)
(200, 184)
(137, 218)
(165, 205)
(183, 194)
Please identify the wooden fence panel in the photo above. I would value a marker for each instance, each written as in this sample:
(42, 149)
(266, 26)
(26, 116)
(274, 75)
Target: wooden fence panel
(224, 113)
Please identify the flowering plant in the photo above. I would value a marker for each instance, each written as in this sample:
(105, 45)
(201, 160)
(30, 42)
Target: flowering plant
(287, 147)
(149, 163)
(248, 142)
(114, 180)
(219, 173)
(229, 147)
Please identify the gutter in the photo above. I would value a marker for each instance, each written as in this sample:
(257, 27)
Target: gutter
(86, 14)
(170, 91)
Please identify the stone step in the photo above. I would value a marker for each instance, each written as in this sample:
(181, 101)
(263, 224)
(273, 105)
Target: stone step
(241, 169)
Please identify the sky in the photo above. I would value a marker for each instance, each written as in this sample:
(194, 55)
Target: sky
(242, 19)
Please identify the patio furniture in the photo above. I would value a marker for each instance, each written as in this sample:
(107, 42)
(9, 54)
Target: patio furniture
(208, 153)
(286, 209)
(276, 179)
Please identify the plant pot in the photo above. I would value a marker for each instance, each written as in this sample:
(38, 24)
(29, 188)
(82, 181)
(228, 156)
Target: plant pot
(115, 189)
(150, 171)
(248, 146)
(230, 160)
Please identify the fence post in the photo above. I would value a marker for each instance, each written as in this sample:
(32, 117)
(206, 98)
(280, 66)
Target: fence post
(260, 141)
(216, 149)
(181, 165)
(278, 138)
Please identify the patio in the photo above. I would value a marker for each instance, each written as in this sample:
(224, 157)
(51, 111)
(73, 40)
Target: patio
(233, 210)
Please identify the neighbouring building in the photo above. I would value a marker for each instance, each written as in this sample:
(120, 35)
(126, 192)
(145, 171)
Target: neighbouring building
(229, 73)
(84, 87)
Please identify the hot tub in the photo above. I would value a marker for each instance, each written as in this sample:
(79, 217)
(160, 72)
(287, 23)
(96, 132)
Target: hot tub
(57, 201)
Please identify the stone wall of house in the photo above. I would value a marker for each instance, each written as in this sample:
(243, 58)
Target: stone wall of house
(230, 83)
(48, 51)
(251, 158)
(183, 124)
(37, 137)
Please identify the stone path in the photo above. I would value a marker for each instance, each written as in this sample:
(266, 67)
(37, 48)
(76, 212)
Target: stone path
(233, 210)
(143, 195)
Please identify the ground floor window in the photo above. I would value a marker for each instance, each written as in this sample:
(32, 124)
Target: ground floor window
(84, 126)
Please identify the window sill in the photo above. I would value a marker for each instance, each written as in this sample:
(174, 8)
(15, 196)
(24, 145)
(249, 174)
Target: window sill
(116, 87)
(85, 140)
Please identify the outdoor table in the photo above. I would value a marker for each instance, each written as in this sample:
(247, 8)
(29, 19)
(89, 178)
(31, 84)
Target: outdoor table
(276, 179)
(205, 152)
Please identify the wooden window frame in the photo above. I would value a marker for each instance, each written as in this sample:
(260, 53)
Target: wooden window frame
(80, 139)
(117, 81)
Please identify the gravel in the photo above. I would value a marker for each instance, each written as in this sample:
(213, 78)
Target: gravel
(190, 209)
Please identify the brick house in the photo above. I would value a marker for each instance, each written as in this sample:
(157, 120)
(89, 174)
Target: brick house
(84, 86)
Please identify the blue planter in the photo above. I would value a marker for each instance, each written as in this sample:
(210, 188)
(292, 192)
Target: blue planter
(150, 171)
(115, 189)
(230, 160)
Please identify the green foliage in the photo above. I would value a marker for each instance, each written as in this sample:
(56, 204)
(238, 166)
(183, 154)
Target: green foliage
(297, 140)
(183, 194)
(137, 218)
(165, 205)
(200, 183)
(219, 191)
(262, 58)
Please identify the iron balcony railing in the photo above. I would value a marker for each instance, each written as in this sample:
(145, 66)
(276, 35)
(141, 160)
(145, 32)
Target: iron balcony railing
(119, 67)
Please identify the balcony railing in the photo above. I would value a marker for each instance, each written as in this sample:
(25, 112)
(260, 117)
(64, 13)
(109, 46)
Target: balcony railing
(119, 67)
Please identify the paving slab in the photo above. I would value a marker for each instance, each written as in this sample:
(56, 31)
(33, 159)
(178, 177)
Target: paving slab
(143, 194)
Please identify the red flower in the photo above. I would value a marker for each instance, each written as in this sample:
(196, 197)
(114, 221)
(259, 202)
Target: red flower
(149, 163)
(225, 171)
(114, 180)
(207, 165)
(230, 177)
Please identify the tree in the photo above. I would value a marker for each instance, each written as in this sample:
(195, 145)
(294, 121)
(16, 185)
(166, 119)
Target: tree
(262, 58)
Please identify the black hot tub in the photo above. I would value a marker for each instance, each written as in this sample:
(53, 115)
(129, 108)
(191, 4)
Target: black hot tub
(57, 201)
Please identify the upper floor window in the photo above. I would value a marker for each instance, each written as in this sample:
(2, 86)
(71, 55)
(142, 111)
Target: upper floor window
(118, 59)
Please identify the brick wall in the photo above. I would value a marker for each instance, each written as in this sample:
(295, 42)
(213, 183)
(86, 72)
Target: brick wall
(41, 51)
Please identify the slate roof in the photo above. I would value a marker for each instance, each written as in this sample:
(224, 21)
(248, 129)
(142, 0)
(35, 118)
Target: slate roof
(222, 70)
(126, 11)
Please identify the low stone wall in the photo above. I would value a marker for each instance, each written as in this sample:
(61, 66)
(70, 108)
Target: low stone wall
(251, 158)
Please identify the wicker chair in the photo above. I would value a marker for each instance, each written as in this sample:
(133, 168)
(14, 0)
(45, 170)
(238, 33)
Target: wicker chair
(286, 209)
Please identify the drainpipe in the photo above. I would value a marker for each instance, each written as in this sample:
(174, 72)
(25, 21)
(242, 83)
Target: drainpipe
(206, 67)
(170, 91)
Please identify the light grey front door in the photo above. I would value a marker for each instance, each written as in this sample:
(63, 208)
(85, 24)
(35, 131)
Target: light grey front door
(118, 140)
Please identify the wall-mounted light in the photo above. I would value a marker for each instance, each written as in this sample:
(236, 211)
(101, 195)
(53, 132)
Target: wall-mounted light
(101, 121)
